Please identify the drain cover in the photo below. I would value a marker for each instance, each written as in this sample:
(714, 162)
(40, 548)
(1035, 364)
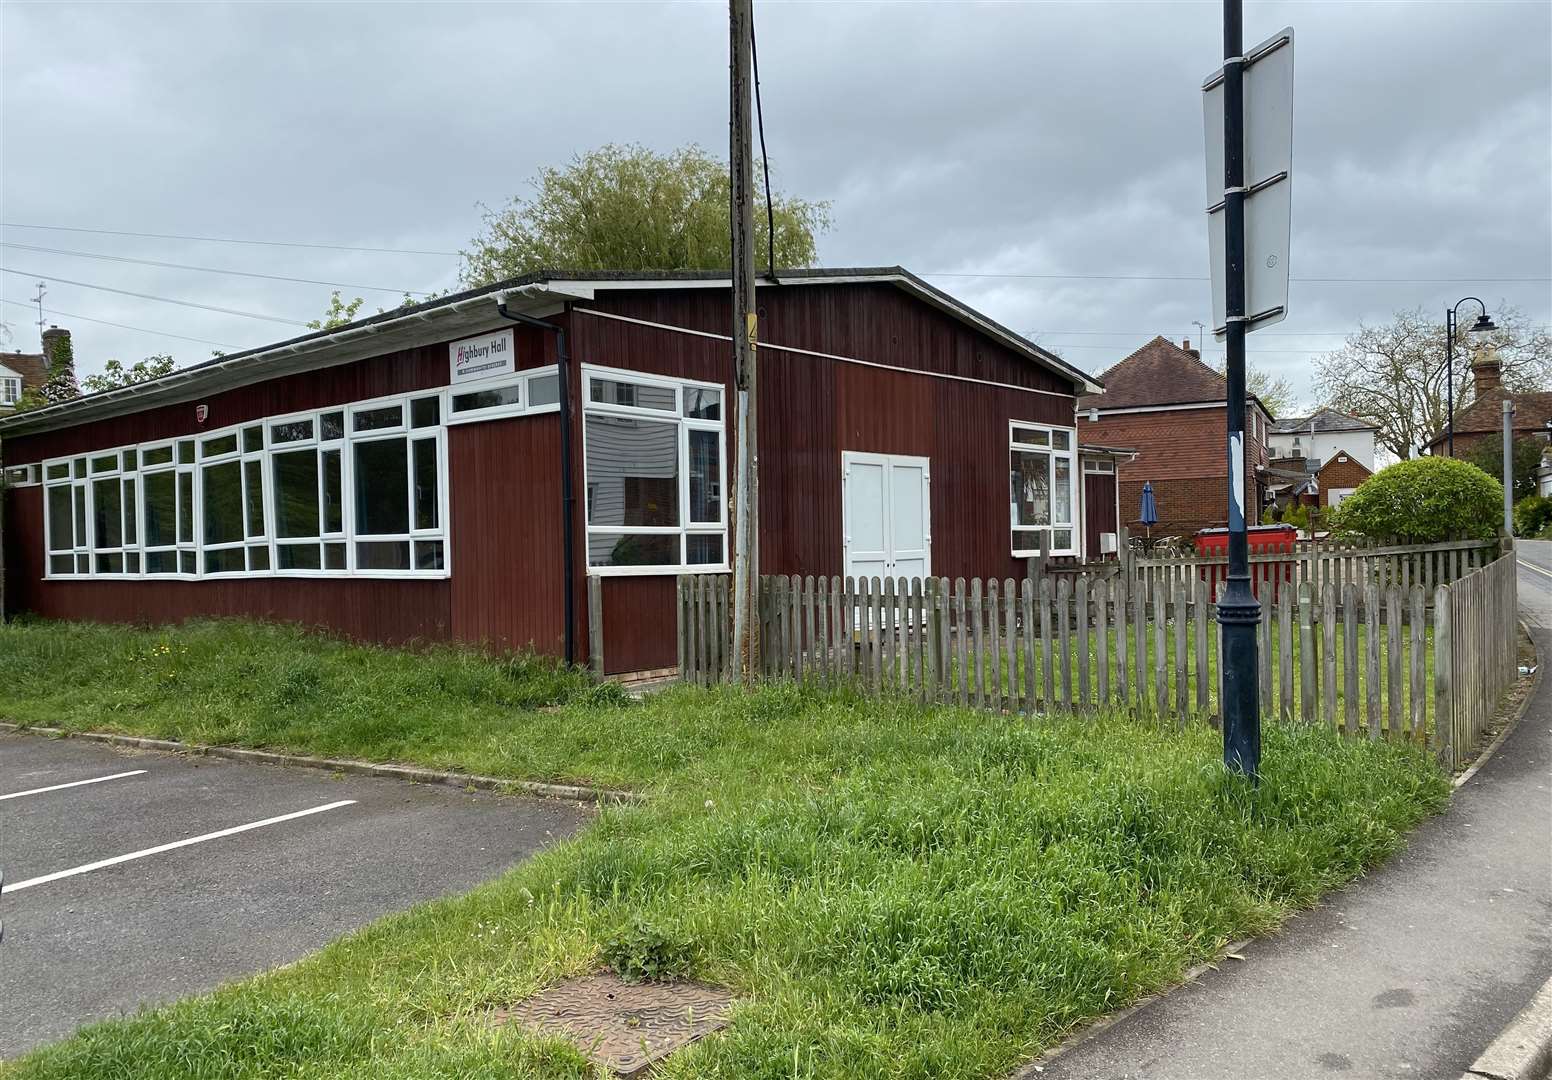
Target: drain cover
(621, 1026)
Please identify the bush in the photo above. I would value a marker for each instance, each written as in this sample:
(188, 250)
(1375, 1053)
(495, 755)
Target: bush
(1532, 515)
(1296, 514)
(1424, 500)
(641, 951)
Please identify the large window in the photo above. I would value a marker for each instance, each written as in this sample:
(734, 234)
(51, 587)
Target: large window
(358, 489)
(1043, 488)
(10, 389)
(656, 473)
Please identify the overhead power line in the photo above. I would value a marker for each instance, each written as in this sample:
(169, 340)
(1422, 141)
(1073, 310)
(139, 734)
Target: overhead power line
(208, 269)
(159, 299)
(231, 240)
(1183, 333)
(1122, 350)
(1302, 280)
(126, 326)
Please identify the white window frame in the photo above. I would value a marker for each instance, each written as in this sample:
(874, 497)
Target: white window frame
(173, 468)
(10, 390)
(191, 511)
(1073, 473)
(76, 481)
(523, 379)
(685, 424)
(18, 476)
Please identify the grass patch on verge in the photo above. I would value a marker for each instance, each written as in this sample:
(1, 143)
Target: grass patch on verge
(894, 891)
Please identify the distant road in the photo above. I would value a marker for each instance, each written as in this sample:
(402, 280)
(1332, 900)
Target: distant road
(1535, 581)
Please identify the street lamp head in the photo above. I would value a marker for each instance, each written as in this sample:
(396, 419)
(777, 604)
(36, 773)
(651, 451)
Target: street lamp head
(1483, 324)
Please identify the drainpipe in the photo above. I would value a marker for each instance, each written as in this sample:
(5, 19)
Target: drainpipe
(567, 493)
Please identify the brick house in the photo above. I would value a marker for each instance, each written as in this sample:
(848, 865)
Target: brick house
(1169, 406)
(21, 371)
(1483, 418)
(1339, 476)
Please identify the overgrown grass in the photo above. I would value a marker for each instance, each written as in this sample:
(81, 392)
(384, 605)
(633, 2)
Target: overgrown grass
(893, 891)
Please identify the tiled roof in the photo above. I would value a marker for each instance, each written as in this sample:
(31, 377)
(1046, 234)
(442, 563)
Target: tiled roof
(30, 366)
(1325, 420)
(1159, 373)
(1531, 413)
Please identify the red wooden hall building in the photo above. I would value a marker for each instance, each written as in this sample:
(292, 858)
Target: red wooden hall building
(421, 475)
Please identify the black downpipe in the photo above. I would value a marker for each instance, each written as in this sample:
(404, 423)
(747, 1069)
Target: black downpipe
(568, 499)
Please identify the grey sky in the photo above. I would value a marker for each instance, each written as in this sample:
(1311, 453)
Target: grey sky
(1016, 138)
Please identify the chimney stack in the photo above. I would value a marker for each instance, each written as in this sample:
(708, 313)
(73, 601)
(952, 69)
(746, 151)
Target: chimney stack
(1485, 371)
(51, 336)
(1186, 345)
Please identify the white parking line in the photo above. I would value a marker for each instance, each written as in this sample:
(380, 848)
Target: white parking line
(73, 783)
(46, 878)
(1539, 569)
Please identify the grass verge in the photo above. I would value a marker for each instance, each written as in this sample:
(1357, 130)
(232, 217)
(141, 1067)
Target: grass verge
(894, 891)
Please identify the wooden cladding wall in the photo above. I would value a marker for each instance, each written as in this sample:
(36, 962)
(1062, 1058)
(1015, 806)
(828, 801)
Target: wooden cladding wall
(505, 532)
(877, 323)
(639, 615)
(812, 409)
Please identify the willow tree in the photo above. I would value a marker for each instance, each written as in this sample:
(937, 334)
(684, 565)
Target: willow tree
(631, 208)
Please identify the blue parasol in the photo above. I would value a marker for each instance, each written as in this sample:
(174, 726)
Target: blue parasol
(1147, 511)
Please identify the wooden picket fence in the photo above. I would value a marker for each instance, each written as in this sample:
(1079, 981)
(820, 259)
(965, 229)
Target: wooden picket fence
(1276, 568)
(1478, 659)
(1358, 655)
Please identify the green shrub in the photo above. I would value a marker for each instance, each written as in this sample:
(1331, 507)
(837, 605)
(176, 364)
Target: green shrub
(642, 951)
(1296, 514)
(1532, 515)
(1424, 500)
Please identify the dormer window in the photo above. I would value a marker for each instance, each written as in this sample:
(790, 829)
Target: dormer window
(10, 390)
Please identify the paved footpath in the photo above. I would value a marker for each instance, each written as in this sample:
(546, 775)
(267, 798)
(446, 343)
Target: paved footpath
(1412, 971)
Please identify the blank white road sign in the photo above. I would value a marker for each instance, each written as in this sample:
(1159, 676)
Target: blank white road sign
(1268, 91)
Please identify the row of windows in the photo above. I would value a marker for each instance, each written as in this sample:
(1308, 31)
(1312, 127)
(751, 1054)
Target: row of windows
(356, 489)
(362, 489)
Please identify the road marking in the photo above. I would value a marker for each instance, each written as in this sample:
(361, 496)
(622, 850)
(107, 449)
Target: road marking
(72, 872)
(1533, 566)
(73, 783)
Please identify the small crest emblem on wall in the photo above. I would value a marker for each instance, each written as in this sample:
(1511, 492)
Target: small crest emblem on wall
(201, 413)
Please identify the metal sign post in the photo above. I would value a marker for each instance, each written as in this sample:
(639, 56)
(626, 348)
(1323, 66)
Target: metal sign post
(1248, 191)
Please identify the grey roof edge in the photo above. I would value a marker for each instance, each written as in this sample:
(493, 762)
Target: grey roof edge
(1294, 425)
(81, 409)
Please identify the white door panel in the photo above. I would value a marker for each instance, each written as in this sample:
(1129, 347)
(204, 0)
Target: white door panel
(887, 509)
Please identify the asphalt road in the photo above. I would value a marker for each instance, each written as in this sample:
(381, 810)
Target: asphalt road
(1412, 971)
(87, 942)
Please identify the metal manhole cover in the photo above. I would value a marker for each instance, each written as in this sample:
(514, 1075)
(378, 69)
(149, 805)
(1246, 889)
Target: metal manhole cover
(622, 1026)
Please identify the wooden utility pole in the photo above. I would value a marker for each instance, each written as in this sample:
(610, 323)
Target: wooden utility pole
(746, 486)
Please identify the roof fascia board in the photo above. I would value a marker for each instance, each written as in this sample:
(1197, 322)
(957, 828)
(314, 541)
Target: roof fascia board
(1178, 407)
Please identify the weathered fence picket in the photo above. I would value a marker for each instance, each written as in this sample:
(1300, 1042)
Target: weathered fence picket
(1403, 648)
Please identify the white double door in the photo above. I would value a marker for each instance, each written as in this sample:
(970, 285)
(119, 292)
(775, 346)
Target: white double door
(887, 515)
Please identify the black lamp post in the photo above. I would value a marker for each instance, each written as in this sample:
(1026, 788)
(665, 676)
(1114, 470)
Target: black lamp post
(1481, 326)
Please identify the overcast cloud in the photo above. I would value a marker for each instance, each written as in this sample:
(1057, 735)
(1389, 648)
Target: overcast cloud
(951, 138)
